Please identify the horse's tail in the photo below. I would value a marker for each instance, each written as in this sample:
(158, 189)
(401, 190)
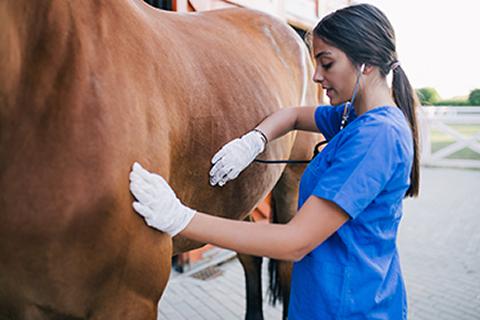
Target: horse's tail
(274, 284)
(279, 271)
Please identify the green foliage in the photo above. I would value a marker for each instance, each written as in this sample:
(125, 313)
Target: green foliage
(453, 103)
(428, 96)
(474, 97)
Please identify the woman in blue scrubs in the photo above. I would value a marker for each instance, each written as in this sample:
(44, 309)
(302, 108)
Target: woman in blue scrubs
(343, 238)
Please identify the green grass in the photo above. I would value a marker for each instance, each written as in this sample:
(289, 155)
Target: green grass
(440, 140)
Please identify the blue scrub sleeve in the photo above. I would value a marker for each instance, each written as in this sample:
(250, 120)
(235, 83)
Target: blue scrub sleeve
(360, 169)
(328, 120)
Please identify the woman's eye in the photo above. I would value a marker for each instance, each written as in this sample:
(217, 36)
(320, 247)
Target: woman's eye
(327, 65)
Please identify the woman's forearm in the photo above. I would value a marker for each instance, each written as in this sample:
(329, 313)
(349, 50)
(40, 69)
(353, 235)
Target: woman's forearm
(271, 240)
(285, 120)
(278, 123)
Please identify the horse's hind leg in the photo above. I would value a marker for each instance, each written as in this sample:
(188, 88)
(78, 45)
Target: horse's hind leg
(134, 290)
(252, 266)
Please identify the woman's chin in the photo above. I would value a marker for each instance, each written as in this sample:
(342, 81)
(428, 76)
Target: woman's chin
(335, 101)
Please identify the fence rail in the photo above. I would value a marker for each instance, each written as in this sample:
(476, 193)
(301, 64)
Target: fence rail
(450, 136)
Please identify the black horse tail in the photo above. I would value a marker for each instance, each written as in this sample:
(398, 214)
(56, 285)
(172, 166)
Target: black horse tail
(274, 283)
(279, 271)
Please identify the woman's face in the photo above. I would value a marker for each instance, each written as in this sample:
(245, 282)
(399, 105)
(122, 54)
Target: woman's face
(333, 71)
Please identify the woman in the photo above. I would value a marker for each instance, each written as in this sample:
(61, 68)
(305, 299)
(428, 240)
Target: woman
(343, 237)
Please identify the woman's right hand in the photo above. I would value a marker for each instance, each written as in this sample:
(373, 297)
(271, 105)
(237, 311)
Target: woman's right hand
(235, 156)
(157, 203)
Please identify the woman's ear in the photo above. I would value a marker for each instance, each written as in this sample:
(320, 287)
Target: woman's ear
(366, 68)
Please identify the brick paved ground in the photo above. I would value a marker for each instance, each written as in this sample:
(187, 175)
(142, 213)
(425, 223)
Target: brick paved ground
(439, 245)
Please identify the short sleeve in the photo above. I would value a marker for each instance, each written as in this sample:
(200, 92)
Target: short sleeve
(361, 167)
(328, 120)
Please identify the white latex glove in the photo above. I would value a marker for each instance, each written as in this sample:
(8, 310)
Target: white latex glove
(157, 202)
(235, 156)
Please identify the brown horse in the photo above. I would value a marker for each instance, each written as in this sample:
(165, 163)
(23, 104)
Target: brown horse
(86, 89)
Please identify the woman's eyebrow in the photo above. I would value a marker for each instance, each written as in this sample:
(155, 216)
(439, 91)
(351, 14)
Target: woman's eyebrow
(322, 53)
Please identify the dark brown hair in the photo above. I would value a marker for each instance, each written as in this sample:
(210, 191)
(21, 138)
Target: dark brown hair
(366, 36)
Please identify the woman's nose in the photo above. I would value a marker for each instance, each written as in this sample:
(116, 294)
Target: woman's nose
(317, 77)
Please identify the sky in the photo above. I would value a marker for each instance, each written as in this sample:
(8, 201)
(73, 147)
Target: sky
(438, 42)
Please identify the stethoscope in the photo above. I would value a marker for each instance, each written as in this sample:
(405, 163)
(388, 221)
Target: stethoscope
(316, 150)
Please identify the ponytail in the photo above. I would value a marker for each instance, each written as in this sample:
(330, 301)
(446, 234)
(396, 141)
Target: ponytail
(407, 101)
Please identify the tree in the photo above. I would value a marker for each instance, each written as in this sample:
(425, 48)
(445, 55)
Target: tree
(474, 97)
(428, 96)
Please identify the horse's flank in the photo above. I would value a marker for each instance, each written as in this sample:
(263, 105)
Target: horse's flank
(89, 87)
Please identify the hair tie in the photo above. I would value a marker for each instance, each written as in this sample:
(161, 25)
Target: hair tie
(395, 65)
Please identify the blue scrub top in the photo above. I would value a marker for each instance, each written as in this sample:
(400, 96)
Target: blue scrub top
(364, 169)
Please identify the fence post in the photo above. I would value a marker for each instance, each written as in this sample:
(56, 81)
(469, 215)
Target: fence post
(425, 143)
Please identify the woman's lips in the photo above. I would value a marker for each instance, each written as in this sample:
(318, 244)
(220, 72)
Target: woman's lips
(329, 92)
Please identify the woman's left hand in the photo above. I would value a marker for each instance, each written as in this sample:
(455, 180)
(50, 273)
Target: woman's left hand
(157, 202)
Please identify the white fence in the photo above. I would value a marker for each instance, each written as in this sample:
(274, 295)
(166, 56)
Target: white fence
(446, 132)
